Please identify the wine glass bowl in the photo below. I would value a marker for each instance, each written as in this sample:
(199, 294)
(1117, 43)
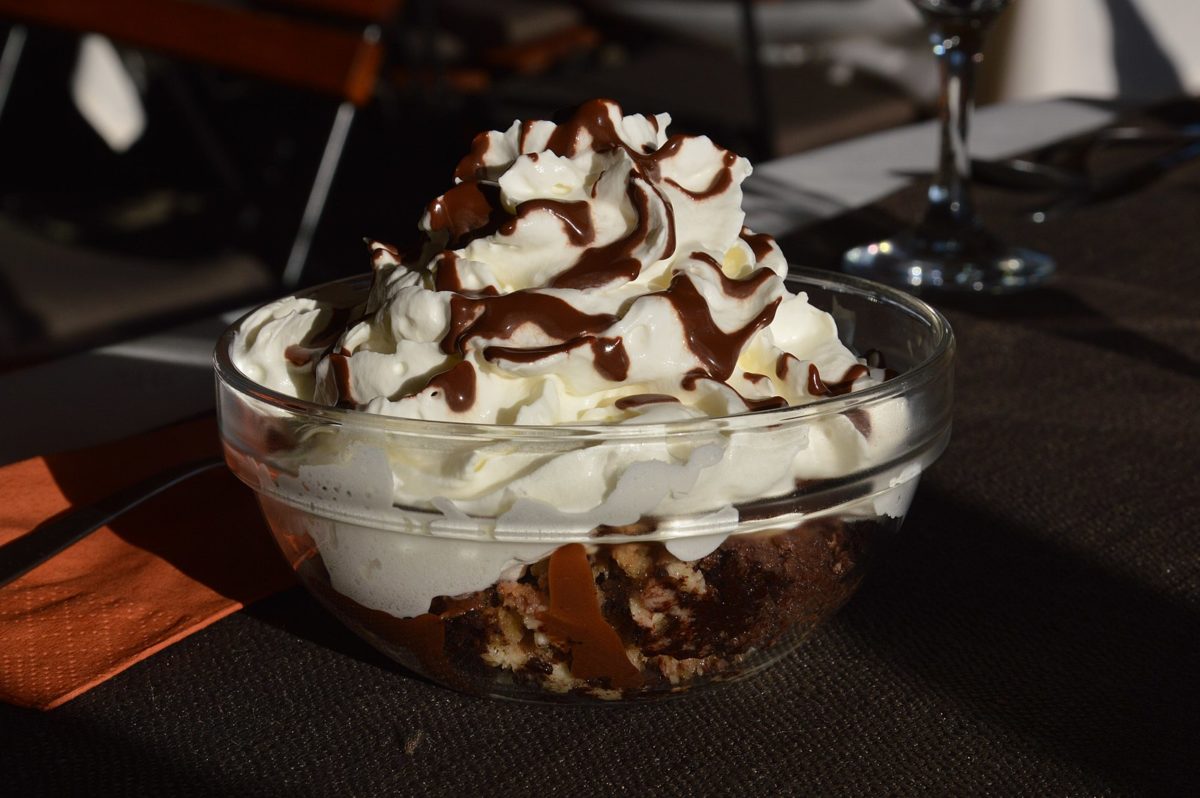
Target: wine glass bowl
(950, 249)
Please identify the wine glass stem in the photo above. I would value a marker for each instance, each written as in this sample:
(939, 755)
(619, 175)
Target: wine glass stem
(958, 49)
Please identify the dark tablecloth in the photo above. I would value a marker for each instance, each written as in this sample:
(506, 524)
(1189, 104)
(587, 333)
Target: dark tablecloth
(1036, 629)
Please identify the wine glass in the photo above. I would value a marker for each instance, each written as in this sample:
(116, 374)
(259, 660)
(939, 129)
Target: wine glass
(950, 249)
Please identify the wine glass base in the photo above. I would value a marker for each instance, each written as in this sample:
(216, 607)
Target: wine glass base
(916, 263)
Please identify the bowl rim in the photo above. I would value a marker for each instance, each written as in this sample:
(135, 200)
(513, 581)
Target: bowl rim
(227, 374)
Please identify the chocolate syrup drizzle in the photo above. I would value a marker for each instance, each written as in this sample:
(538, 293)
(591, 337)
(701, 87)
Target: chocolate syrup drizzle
(643, 399)
(500, 316)
(321, 341)
(717, 350)
(819, 387)
(339, 365)
(738, 289)
(457, 385)
(608, 354)
(576, 218)
(468, 208)
(760, 243)
(601, 265)
(721, 181)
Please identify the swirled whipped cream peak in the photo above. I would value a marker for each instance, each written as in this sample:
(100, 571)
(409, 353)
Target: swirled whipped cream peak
(595, 270)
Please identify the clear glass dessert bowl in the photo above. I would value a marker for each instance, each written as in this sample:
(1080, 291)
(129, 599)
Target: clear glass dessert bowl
(606, 562)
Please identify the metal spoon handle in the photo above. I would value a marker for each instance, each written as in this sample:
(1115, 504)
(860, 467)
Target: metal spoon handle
(48, 538)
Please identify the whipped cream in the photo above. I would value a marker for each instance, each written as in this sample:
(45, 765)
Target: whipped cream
(591, 272)
(595, 271)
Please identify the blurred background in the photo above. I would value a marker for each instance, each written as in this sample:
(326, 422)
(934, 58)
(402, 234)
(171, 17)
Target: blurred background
(162, 160)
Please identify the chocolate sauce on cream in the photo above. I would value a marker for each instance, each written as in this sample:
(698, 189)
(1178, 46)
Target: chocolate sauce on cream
(320, 341)
(783, 364)
(472, 209)
(601, 265)
(738, 289)
(610, 358)
(500, 316)
(760, 243)
(467, 210)
(720, 183)
(608, 354)
(471, 166)
(861, 421)
(446, 272)
(717, 350)
(692, 378)
(447, 278)
(379, 249)
(457, 385)
(523, 134)
(819, 387)
(576, 218)
(766, 403)
(688, 383)
(643, 399)
(299, 355)
(339, 364)
(591, 118)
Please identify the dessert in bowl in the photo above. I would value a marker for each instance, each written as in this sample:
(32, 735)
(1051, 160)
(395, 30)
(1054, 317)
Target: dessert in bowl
(590, 441)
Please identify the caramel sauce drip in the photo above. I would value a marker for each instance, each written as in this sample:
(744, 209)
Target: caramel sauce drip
(457, 385)
(643, 399)
(574, 616)
(717, 350)
(500, 316)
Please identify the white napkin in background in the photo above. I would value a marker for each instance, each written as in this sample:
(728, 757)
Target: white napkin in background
(106, 95)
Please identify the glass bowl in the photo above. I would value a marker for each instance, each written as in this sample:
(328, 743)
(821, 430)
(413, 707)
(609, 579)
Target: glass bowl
(598, 563)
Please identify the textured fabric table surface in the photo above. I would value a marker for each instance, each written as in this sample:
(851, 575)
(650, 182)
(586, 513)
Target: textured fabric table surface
(1035, 630)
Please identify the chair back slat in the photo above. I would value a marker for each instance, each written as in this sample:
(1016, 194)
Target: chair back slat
(322, 58)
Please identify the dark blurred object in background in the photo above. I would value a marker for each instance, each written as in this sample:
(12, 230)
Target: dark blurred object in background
(212, 152)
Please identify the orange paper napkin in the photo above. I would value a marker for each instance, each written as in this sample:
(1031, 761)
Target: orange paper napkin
(162, 571)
